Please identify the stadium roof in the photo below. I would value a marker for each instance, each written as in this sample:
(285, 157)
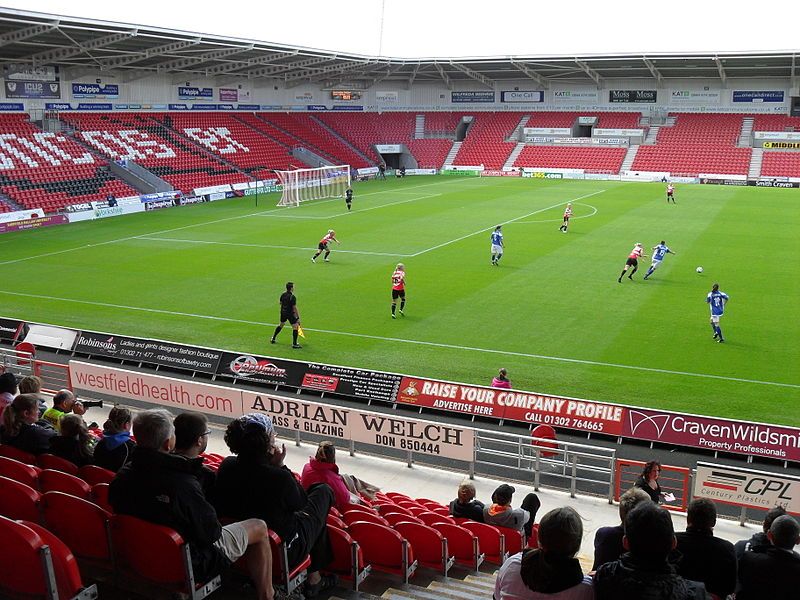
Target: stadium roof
(132, 52)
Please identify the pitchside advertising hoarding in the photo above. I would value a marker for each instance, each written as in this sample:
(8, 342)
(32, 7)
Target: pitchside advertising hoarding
(747, 487)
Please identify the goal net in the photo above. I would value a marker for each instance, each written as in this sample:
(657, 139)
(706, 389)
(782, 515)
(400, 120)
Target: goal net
(302, 185)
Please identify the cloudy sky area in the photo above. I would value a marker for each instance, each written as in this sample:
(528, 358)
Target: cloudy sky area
(451, 28)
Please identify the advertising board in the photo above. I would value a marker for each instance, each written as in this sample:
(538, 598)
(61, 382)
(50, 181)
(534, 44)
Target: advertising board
(758, 96)
(482, 96)
(189, 93)
(522, 96)
(95, 90)
(33, 223)
(747, 487)
(633, 96)
(32, 89)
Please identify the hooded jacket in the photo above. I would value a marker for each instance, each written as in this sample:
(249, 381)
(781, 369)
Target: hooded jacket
(114, 450)
(33, 439)
(316, 471)
(631, 579)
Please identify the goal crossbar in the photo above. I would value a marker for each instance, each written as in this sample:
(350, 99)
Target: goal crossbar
(302, 185)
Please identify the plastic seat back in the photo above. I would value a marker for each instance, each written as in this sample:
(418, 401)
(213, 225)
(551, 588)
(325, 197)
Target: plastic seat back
(291, 577)
(51, 461)
(92, 474)
(100, 497)
(358, 507)
(65, 567)
(393, 508)
(150, 551)
(492, 542)
(384, 548)
(20, 455)
(18, 501)
(462, 544)
(336, 521)
(395, 518)
(514, 539)
(348, 558)
(56, 481)
(429, 518)
(20, 471)
(20, 559)
(82, 525)
(430, 546)
(352, 516)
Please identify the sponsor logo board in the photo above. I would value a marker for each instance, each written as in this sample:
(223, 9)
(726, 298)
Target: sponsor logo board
(522, 96)
(499, 173)
(747, 487)
(482, 96)
(633, 96)
(228, 95)
(95, 90)
(32, 89)
(33, 223)
(696, 96)
(758, 96)
(188, 93)
(782, 145)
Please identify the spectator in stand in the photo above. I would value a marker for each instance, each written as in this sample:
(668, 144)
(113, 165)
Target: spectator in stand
(191, 440)
(20, 428)
(644, 572)
(773, 572)
(501, 380)
(256, 483)
(322, 468)
(114, 450)
(465, 506)
(551, 571)
(8, 389)
(74, 443)
(608, 540)
(704, 557)
(648, 481)
(64, 402)
(500, 512)
(162, 488)
(30, 384)
(760, 540)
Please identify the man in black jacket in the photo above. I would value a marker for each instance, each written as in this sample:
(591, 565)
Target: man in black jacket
(644, 573)
(774, 572)
(704, 557)
(163, 488)
(759, 541)
(608, 540)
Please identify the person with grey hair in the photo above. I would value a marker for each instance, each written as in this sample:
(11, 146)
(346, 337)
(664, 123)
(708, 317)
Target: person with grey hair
(465, 506)
(256, 483)
(773, 572)
(64, 402)
(163, 488)
(551, 570)
(608, 540)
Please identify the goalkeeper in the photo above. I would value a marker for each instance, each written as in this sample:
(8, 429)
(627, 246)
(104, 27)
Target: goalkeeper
(348, 197)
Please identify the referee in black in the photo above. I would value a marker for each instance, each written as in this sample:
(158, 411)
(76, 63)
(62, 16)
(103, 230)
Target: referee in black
(348, 197)
(288, 313)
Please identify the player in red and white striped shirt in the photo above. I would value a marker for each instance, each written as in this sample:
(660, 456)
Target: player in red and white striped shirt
(633, 261)
(399, 288)
(567, 215)
(323, 245)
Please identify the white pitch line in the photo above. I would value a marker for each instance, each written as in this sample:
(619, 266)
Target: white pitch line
(593, 213)
(413, 342)
(352, 212)
(485, 229)
(268, 246)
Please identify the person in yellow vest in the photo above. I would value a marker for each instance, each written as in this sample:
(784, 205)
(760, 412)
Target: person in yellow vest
(64, 402)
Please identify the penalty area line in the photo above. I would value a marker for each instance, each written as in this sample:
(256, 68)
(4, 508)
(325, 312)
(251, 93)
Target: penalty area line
(411, 342)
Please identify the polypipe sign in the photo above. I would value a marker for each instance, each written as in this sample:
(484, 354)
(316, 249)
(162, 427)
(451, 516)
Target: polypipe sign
(741, 437)
(557, 411)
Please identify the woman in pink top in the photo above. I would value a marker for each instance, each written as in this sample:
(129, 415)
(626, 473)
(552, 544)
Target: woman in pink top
(501, 381)
(323, 469)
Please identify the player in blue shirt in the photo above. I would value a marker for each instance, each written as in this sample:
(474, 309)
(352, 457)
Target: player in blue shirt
(717, 300)
(497, 245)
(659, 252)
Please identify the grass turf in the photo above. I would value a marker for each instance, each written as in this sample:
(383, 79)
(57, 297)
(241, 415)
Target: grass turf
(552, 313)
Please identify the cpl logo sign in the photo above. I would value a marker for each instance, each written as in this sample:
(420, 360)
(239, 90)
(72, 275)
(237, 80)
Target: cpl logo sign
(761, 486)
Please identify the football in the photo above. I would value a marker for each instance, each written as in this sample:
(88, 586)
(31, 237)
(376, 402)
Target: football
(699, 269)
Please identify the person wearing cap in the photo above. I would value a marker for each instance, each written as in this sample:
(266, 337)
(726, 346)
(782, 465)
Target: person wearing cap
(501, 513)
(256, 484)
(632, 261)
(162, 488)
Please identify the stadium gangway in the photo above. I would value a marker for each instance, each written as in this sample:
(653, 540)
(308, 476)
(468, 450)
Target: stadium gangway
(570, 462)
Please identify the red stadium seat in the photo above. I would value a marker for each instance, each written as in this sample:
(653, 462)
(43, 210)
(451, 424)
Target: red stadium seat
(57, 481)
(348, 559)
(35, 564)
(19, 501)
(545, 432)
(492, 542)
(429, 518)
(100, 497)
(80, 524)
(335, 521)
(514, 539)
(21, 456)
(157, 555)
(93, 474)
(384, 549)
(394, 518)
(19, 471)
(282, 572)
(353, 516)
(461, 544)
(430, 546)
(51, 461)
(394, 508)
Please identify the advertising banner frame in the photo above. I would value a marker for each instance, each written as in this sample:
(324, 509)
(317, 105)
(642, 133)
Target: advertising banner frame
(747, 488)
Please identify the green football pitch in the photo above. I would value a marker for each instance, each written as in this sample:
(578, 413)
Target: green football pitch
(552, 313)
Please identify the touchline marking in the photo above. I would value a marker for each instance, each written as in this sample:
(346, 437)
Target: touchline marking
(593, 213)
(485, 229)
(413, 342)
(309, 249)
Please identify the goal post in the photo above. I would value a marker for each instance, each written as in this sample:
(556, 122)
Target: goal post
(301, 185)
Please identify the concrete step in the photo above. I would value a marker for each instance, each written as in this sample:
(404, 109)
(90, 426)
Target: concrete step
(464, 589)
(416, 592)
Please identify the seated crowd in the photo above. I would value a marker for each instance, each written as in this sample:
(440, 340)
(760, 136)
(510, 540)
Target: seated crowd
(226, 514)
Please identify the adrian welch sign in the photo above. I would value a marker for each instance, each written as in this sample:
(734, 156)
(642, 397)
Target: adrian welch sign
(741, 437)
(388, 431)
(747, 487)
(557, 411)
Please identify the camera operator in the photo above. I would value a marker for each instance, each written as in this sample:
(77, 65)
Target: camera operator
(64, 402)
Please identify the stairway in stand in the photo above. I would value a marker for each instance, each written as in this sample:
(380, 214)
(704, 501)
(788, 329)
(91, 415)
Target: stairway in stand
(756, 159)
(478, 586)
(451, 156)
(652, 133)
(630, 156)
(419, 127)
(746, 134)
(513, 156)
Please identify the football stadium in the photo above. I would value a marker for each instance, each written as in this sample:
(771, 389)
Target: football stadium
(560, 287)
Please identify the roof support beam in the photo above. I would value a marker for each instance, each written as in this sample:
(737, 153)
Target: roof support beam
(182, 63)
(27, 33)
(473, 74)
(589, 71)
(654, 72)
(413, 76)
(327, 71)
(722, 75)
(121, 61)
(443, 75)
(58, 54)
(243, 64)
(531, 74)
(275, 69)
